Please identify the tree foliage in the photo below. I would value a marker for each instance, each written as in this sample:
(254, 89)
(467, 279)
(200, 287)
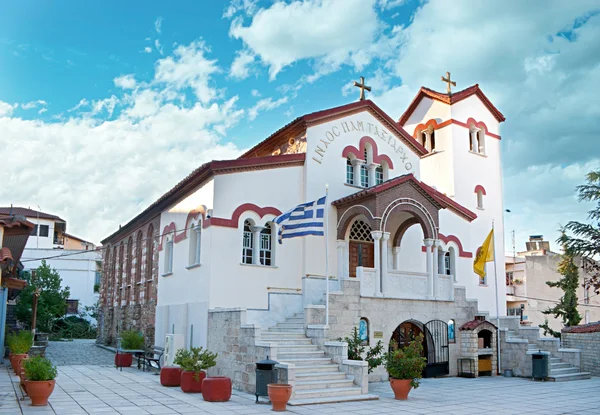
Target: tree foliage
(583, 239)
(356, 349)
(566, 308)
(51, 302)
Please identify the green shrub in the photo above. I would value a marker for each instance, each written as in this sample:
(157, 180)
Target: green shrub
(38, 368)
(21, 342)
(73, 327)
(373, 357)
(195, 360)
(408, 362)
(132, 340)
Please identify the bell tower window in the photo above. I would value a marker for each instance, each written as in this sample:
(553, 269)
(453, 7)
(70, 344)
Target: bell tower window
(379, 175)
(477, 140)
(364, 171)
(349, 171)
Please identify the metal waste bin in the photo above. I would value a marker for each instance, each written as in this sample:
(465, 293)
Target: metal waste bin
(539, 365)
(265, 374)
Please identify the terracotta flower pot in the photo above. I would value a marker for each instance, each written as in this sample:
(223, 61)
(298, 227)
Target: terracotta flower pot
(123, 359)
(17, 362)
(279, 395)
(216, 389)
(40, 391)
(170, 376)
(23, 380)
(401, 388)
(191, 382)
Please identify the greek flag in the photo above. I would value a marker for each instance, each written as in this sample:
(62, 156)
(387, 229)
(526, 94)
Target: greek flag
(304, 219)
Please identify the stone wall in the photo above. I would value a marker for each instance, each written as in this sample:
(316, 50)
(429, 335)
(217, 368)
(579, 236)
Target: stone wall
(589, 345)
(128, 287)
(386, 314)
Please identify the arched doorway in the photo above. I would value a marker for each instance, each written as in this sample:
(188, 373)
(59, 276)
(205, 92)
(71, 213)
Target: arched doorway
(435, 344)
(360, 246)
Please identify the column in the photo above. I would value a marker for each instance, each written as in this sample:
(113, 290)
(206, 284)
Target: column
(428, 261)
(341, 250)
(436, 266)
(377, 262)
(396, 252)
(473, 134)
(371, 167)
(356, 171)
(256, 243)
(384, 262)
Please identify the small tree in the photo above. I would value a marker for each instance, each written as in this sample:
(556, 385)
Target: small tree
(356, 349)
(566, 308)
(51, 302)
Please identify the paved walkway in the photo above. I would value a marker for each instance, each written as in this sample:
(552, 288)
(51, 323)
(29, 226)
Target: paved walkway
(79, 352)
(106, 391)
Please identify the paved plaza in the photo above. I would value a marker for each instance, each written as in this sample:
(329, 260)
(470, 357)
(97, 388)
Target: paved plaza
(79, 352)
(104, 390)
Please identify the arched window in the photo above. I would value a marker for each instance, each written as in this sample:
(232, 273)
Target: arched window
(379, 175)
(107, 276)
(195, 243)
(349, 171)
(266, 238)
(480, 199)
(128, 272)
(149, 263)
(169, 255)
(423, 135)
(360, 231)
(363, 331)
(120, 272)
(477, 140)
(451, 331)
(247, 243)
(138, 267)
(432, 140)
(364, 171)
(114, 285)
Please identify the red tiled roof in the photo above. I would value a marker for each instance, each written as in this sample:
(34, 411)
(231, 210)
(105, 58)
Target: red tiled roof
(473, 324)
(5, 254)
(301, 123)
(451, 99)
(13, 283)
(585, 328)
(29, 213)
(11, 221)
(440, 198)
(205, 172)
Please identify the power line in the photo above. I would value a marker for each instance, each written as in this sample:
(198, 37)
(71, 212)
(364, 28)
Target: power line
(557, 301)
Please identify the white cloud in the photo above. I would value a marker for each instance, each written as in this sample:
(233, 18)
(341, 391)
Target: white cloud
(240, 68)
(158, 46)
(42, 110)
(154, 141)
(6, 109)
(255, 93)
(390, 4)
(125, 81)
(34, 104)
(266, 104)
(236, 6)
(330, 31)
(158, 24)
(148, 49)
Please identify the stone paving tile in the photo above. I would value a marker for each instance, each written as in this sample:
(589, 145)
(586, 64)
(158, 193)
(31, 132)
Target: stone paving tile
(79, 352)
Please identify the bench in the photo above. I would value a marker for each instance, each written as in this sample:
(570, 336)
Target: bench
(151, 355)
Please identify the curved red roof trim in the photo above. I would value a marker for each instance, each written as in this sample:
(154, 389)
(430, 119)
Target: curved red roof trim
(479, 188)
(358, 152)
(233, 222)
(453, 238)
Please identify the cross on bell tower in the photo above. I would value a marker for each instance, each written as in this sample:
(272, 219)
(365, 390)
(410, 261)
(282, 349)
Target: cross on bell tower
(362, 87)
(449, 82)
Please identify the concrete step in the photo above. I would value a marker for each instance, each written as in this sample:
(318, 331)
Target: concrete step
(560, 365)
(308, 361)
(300, 355)
(299, 334)
(323, 384)
(570, 376)
(333, 399)
(289, 326)
(320, 376)
(298, 320)
(284, 330)
(289, 348)
(328, 392)
(563, 371)
(292, 342)
(555, 360)
(331, 367)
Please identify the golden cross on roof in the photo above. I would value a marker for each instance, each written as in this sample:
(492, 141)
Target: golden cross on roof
(449, 82)
(362, 87)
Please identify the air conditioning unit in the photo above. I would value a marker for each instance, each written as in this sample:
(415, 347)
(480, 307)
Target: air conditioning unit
(172, 343)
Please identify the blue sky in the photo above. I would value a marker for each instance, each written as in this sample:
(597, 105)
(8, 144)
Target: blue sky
(123, 99)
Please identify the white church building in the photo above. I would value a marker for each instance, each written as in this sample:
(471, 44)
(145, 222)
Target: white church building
(409, 203)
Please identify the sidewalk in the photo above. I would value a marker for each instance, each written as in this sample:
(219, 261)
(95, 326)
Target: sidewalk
(103, 390)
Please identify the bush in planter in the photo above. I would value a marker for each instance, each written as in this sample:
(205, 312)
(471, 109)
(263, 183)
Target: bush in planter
(130, 340)
(406, 365)
(19, 344)
(193, 362)
(40, 374)
(356, 348)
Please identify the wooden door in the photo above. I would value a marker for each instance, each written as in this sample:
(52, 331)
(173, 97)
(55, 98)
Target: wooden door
(361, 254)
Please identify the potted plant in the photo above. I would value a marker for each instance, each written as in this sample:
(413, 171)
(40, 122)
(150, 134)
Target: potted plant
(405, 367)
(19, 344)
(40, 374)
(193, 364)
(279, 395)
(130, 340)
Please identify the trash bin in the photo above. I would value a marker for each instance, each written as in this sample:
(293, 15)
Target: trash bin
(265, 374)
(539, 365)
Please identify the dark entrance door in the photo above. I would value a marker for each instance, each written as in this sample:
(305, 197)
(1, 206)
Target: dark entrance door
(361, 254)
(436, 335)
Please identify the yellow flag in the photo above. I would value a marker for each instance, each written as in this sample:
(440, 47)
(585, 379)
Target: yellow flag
(484, 254)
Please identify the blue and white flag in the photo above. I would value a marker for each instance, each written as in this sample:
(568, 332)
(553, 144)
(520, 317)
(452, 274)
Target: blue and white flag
(304, 219)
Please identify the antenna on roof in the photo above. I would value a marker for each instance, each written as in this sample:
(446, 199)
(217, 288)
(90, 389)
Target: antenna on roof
(10, 213)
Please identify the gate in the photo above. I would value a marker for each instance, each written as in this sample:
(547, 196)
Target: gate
(436, 337)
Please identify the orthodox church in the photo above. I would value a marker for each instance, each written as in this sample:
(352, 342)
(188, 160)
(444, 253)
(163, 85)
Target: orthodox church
(409, 202)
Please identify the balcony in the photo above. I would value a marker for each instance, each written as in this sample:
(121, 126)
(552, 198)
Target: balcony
(510, 290)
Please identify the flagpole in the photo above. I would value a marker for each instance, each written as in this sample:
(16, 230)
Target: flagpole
(326, 225)
(497, 305)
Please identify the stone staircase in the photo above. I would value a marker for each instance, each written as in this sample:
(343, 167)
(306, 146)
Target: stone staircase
(560, 371)
(318, 379)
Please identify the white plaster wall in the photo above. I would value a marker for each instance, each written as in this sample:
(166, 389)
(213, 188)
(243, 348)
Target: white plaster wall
(281, 306)
(426, 110)
(41, 242)
(330, 168)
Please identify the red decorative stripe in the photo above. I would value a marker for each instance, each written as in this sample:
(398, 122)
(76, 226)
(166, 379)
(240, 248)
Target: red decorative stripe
(233, 222)
(358, 152)
(452, 238)
(470, 121)
(479, 188)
